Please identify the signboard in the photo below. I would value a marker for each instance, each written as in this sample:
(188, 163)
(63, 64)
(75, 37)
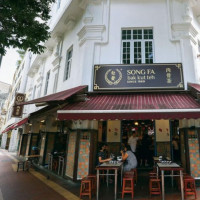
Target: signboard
(138, 76)
(18, 109)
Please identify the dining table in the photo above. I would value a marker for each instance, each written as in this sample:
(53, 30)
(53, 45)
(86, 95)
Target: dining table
(157, 159)
(108, 166)
(32, 157)
(172, 167)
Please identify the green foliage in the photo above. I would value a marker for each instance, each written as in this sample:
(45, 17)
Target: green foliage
(23, 24)
(21, 53)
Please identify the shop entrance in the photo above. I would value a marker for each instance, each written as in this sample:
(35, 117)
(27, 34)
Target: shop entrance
(144, 139)
(154, 138)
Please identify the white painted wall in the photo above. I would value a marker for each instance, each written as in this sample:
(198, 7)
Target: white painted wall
(96, 38)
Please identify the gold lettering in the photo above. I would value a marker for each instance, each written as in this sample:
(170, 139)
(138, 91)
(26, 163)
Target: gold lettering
(150, 71)
(136, 72)
(168, 70)
(169, 80)
(151, 77)
(169, 75)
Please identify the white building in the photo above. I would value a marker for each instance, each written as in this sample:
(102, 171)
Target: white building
(114, 32)
(4, 92)
(11, 137)
(84, 34)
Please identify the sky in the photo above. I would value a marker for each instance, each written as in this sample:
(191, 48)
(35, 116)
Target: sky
(8, 66)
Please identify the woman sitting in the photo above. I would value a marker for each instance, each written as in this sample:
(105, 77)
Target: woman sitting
(130, 161)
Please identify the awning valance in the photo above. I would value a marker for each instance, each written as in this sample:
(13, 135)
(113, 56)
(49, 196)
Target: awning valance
(194, 86)
(21, 122)
(132, 106)
(7, 128)
(16, 125)
(59, 96)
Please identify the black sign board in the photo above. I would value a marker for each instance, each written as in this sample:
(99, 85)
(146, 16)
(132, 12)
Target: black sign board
(138, 76)
(18, 109)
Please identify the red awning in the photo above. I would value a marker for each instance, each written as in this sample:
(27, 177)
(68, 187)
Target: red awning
(21, 122)
(194, 86)
(59, 96)
(7, 128)
(133, 106)
(15, 125)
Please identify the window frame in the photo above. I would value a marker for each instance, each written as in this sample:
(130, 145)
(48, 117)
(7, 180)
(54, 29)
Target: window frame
(58, 2)
(142, 40)
(55, 84)
(68, 63)
(47, 82)
(34, 91)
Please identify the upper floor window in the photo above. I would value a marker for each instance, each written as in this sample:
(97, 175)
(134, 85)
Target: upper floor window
(58, 4)
(68, 63)
(34, 90)
(137, 46)
(47, 82)
(55, 82)
(58, 48)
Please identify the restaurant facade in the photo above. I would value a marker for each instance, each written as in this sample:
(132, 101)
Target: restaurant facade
(98, 81)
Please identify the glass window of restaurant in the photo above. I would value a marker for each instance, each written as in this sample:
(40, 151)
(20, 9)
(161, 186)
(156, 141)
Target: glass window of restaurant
(137, 46)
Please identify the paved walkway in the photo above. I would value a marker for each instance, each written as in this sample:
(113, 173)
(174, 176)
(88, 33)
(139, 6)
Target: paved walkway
(25, 185)
(33, 185)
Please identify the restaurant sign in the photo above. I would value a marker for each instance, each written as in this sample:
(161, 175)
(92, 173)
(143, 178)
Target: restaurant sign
(138, 76)
(17, 108)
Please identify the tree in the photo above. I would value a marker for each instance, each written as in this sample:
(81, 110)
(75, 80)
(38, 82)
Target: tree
(23, 24)
(21, 53)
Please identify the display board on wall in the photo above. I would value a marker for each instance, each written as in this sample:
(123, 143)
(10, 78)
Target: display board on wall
(162, 130)
(194, 157)
(138, 76)
(71, 155)
(83, 159)
(113, 131)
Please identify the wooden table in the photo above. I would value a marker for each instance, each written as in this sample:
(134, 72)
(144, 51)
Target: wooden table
(32, 157)
(170, 167)
(156, 159)
(107, 167)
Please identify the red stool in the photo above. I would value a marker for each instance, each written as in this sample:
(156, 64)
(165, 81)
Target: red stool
(129, 174)
(94, 182)
(128, 185)
(177, 178)
(153, 175)
(154, 186)
(86, 187)
(135, 174)
(189, 186)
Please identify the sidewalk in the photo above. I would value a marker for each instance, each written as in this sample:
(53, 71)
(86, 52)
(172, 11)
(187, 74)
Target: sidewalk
(25, 185)
(41, 184)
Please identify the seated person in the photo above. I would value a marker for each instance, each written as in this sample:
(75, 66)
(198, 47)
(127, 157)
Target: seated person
(130, 161)
(102, 155)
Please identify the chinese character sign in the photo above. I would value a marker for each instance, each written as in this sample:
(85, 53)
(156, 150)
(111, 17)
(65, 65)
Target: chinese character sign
(138, 76)
(17, 108)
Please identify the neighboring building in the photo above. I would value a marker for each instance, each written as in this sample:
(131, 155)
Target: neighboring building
(18, 86)
(92, 43)
(4, 91)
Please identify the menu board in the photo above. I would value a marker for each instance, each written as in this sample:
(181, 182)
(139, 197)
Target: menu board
(84, 152)
(71, 155)
(194, 157)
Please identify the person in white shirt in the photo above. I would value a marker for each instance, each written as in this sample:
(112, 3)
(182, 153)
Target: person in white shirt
(132, 141)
